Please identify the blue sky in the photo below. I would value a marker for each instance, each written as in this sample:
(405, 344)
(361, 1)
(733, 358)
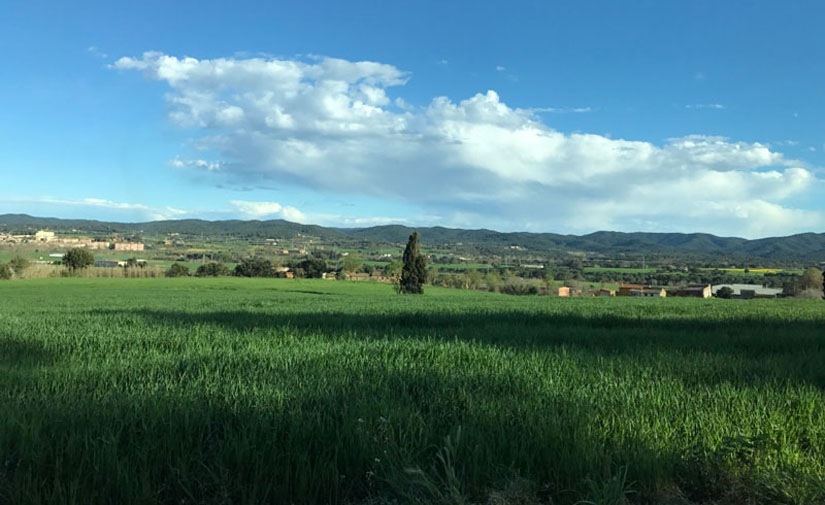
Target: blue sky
(543, 116)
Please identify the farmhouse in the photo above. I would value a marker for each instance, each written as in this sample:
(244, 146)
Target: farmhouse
(130, 246)
(564, 291)
(696, 291)
(649, 292)
(625, 289)
(44, 236)
(749, 291)
(606, 292)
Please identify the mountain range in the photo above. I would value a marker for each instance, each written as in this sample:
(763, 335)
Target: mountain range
(805, 246)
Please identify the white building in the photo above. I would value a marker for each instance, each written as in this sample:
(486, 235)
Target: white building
(44, 236)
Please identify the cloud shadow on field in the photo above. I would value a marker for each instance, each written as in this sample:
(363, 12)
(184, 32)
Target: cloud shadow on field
(742, 351)
(15, 352)
(190, 445)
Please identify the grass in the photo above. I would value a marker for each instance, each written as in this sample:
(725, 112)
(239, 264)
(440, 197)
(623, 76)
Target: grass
(282, 391)
(621, 270)
(755, 271)
(460, 266)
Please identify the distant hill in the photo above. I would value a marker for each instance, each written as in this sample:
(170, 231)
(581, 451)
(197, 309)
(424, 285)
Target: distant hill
(801, 246)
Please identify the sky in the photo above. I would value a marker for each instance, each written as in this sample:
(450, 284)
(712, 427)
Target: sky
(545, 116)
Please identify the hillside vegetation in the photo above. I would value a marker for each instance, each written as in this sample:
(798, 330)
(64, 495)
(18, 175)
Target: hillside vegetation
(799, 247)
(282, 391)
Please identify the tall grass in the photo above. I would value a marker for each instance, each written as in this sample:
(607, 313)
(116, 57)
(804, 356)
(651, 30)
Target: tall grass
(42, 271)
(284, 391)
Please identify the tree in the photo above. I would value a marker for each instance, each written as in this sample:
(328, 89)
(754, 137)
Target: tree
(811, 279)
(809, 285)
(255, 267)
(177, 270)
(414, 271)
(474, 279)
(548, 282)
(493, 280)
(18, 264)
(78, 259)
(351, 263)
(5, 272)
(134, 262)
(393, 269)
(724, 292)
(314, 268)
(213, 269)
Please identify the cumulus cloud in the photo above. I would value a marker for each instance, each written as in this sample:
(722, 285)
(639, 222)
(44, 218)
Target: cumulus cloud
(209, 166)
(335, 125)
(258, 210)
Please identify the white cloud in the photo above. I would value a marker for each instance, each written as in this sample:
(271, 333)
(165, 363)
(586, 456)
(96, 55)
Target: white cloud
(209, 166)
(96, 52)
(257, 210)
(717, 106)
(499, 68)
(118, 209)
(334, 125)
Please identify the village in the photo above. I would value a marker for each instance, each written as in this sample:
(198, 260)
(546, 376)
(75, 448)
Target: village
(119, 252)
(737, 291)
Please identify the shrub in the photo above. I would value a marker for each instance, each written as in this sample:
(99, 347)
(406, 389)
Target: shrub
(810, 294)
(177, 270)
(19, 264)
(518, 287)
(5, 272)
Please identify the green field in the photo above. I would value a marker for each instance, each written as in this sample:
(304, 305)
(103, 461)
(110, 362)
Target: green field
(249, 391)
(756, 271)
(460, 266)
(441, 266)
(620, 270)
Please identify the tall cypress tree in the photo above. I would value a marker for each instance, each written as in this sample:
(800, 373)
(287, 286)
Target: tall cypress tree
(414, 272)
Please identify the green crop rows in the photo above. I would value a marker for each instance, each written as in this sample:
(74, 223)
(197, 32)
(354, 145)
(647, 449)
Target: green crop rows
(283, 391)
